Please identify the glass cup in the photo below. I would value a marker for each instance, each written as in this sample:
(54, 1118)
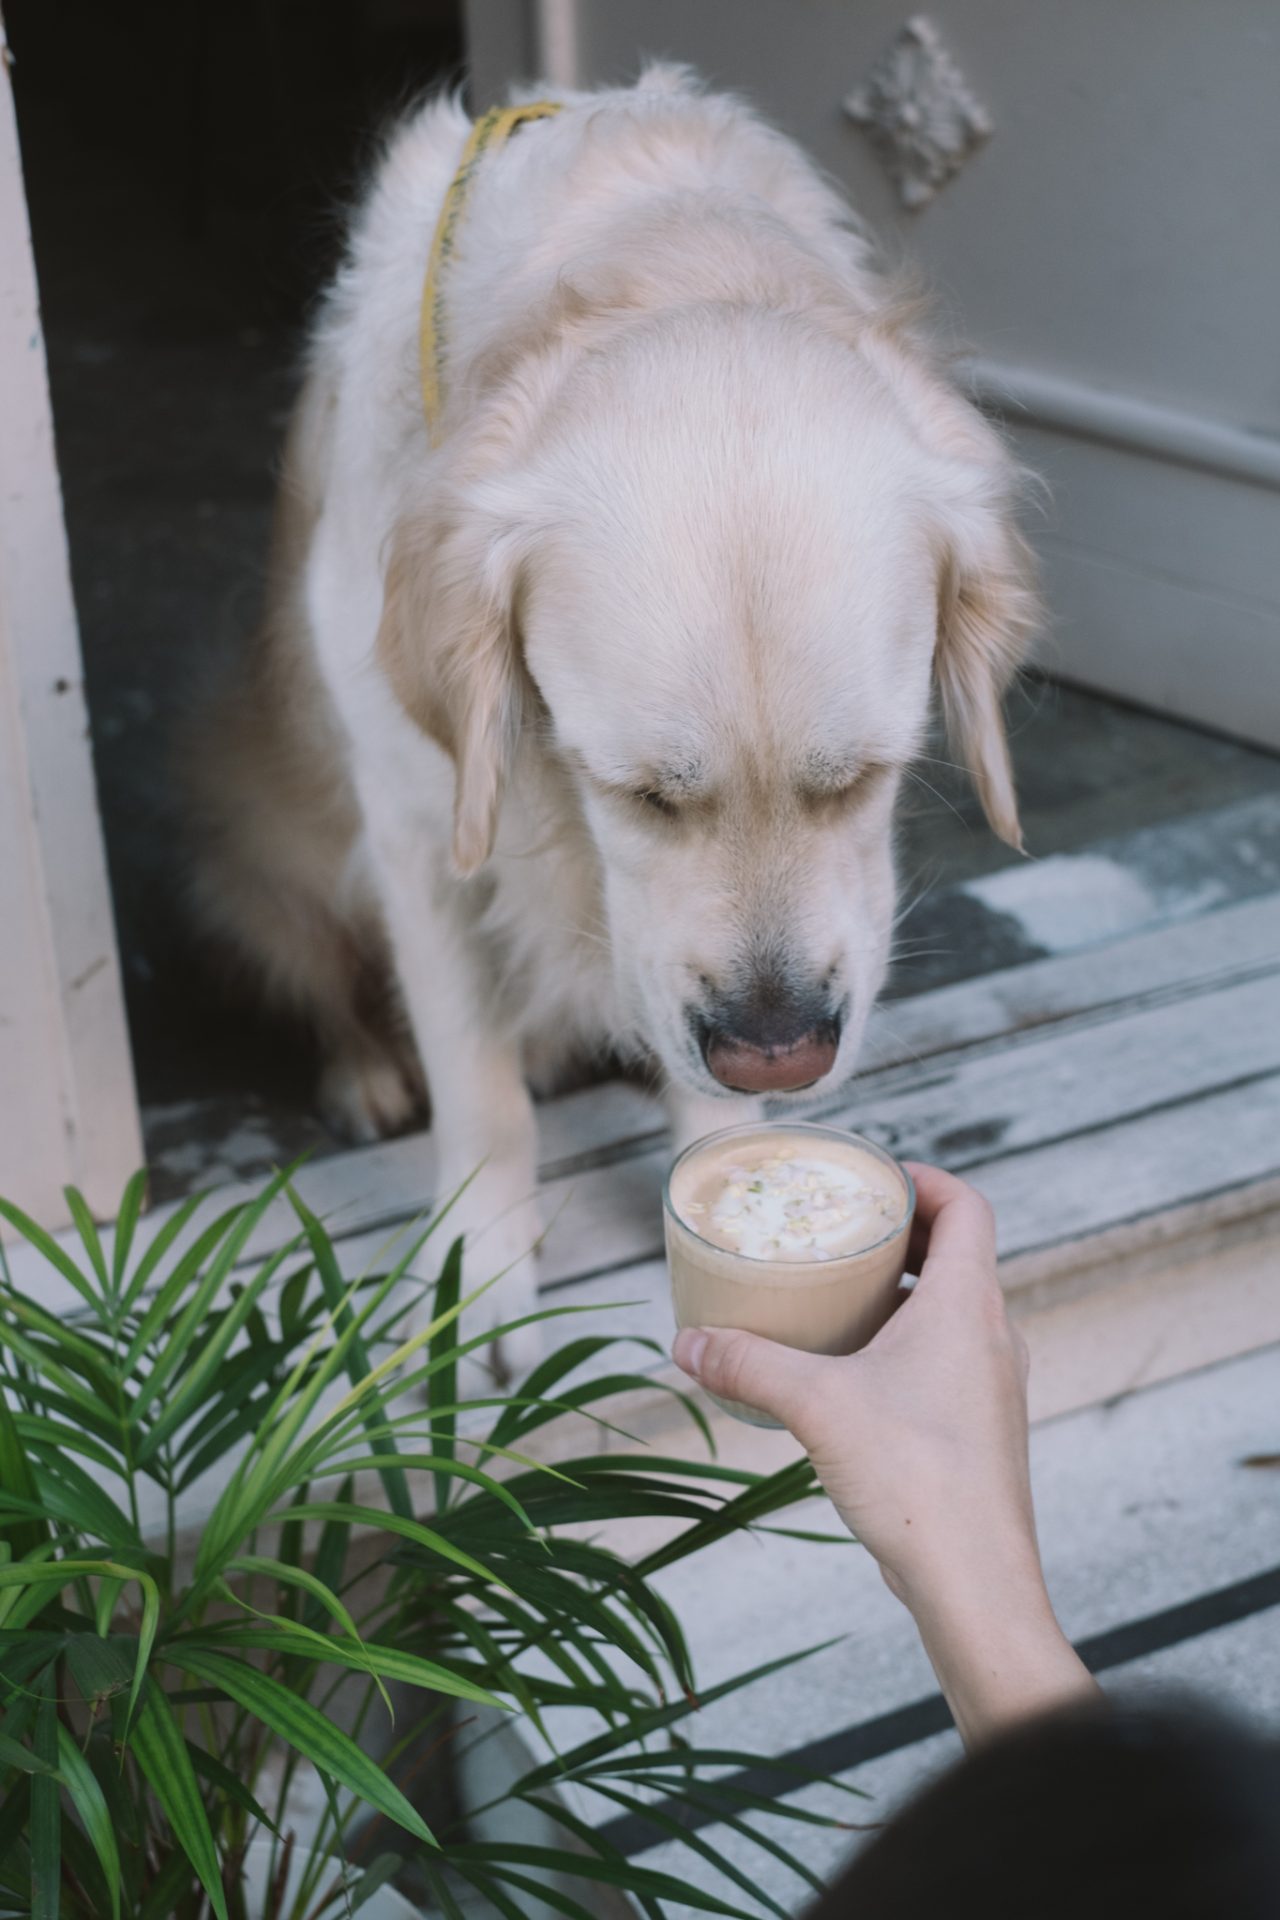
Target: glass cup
(833, 1303)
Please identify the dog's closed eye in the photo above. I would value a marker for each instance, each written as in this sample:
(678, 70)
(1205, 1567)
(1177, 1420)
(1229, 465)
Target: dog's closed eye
(654, 801)
(848, 790)
(648, 798)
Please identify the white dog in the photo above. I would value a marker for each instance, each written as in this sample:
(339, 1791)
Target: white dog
(583, 726)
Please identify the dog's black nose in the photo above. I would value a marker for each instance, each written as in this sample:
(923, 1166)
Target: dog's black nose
(770, 1059)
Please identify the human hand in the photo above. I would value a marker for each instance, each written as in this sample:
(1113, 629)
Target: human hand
(920, 1439)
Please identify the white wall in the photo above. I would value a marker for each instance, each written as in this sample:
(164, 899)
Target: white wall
(1116, 240)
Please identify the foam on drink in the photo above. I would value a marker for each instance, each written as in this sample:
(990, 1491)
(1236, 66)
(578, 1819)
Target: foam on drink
(798, 1233)
(795, 1204)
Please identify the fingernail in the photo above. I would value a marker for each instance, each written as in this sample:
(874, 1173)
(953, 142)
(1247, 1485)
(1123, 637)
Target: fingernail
(691, 1344)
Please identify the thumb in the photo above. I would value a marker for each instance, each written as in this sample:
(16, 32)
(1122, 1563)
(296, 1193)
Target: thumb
(759, 1373)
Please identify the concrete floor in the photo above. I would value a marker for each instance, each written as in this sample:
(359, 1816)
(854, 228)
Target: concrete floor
(184, 181)
(1144, 1504)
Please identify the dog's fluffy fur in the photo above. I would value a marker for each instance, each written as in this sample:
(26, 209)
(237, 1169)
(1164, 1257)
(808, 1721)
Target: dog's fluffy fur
(590, 722)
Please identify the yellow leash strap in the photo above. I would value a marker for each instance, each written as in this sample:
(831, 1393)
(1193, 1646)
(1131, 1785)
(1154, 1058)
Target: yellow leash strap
(491, 131)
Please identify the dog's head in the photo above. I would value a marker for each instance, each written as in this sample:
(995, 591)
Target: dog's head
(717, 586)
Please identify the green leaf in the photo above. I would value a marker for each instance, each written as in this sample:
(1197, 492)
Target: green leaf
(70, 1494)
(330, 1560)
(654, 1463)
(14, 1754)
(269, 1467)
(89, 1802)
(105, 1605)
(49, 1438)
(486, 1881)
(15, 1829)
(375, 1876)
(229, 1785)
(618, 1872)
(450, 1468)
(16, 1477)
(295, 1576)
(679, 1759)
(716, 1857)
(292, 1301)
(379, 1522)
(126, 1220)
(233, 1231)
(593, 1562)
(61, 1572)
(89, 1359)
(46, 1813)
(551, 1370)
(88, 1232)
(237, 1412)
(442, 1357)
(101, 1668)
(358, 1363)
(160, 1245)
(662, 1820)
(313, 1735)
(45, 1244)
(161, 1752)
(20, 1656)
(439, 1890)
(73, 1399)
(581, 1399)
(784, 1488)
(658, 1718)
(177, 1284)
(369, 1656)
(182, 1401)
(170, 1893)
(721, 1795)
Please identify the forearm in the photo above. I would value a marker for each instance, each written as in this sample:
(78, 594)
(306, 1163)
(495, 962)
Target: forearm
(997, 1649)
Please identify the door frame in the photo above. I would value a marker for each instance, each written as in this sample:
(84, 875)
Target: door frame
(69, 1115)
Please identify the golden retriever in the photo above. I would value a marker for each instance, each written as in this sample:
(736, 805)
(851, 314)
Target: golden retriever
(584, 726)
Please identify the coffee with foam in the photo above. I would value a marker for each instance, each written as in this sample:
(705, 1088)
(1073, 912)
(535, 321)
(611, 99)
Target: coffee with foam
(798, 1233)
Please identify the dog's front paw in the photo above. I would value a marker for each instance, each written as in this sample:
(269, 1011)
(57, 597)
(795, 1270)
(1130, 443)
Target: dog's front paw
(366, 1094)
(517, 1349)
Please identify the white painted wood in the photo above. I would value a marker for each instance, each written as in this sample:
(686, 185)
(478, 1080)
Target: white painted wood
(1067, 1131)
(1057, 1047)
(556, 41)
(1135, 1169)
(1146, 1327)
(1162, 583)
(68, 1111)
(1131, 1106)
(1083, 256)
(1214, 949)
(1118, 420)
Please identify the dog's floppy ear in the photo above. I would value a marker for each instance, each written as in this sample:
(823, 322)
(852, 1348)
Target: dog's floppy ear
(448, 643)
(987, 609)
(987, 602)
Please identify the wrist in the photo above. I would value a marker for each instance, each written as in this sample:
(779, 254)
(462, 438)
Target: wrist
(967, 1567)
(997, 1648)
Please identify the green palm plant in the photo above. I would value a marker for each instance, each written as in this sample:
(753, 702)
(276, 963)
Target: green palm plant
(367, 1538)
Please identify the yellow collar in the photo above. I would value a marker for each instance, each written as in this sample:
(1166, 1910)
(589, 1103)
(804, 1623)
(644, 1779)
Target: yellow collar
(491, 131)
